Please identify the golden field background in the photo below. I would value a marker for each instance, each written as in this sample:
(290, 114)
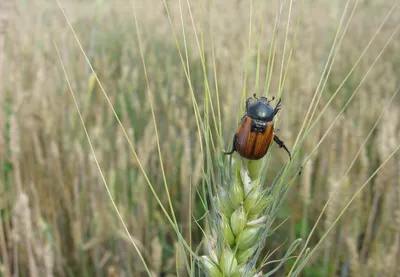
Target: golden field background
(56, 216)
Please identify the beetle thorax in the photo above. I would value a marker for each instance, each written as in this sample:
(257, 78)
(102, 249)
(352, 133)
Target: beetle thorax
(261, 110)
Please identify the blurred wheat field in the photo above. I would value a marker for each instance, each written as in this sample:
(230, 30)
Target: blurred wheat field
(56, 216)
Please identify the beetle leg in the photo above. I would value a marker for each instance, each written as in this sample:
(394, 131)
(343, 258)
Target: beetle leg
(277, 130)
(282, 145)
(278, 106)
(233, 146)
(276, 110)
(248, 103)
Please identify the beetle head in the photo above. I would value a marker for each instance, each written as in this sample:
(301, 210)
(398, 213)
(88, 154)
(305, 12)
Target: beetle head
(261, 110)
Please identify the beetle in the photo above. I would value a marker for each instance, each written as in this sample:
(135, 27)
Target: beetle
(256, 130)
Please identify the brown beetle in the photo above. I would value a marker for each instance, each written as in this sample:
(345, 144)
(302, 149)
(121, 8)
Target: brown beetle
(256, 130)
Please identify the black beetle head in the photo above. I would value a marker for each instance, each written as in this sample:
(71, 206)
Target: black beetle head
(261, 110)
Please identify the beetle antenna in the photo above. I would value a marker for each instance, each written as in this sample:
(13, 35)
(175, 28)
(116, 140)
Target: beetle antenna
(255, 96)
(272, 99)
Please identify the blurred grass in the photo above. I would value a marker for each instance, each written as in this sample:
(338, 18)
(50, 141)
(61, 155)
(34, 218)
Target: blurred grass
(57, 219)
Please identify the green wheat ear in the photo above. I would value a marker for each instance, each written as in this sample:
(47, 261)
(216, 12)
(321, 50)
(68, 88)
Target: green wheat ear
(240, 224)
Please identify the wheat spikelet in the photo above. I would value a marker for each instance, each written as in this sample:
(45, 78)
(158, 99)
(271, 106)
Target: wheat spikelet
(355, 267)
(306, 182)
(240, 223)
(388, 133)
(23, 230)
(334, 205)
